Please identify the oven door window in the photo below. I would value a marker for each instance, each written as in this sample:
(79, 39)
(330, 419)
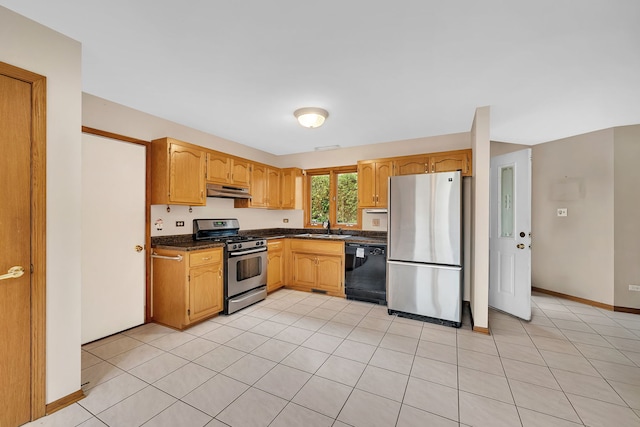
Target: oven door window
(248, 268)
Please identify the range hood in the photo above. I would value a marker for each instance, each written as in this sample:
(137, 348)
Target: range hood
(227, 191)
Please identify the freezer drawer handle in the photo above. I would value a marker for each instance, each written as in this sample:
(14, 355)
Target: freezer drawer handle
(172, 258)
(442, 267)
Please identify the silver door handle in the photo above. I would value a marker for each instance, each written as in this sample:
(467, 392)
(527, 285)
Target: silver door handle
(172, 258)
(13, 273)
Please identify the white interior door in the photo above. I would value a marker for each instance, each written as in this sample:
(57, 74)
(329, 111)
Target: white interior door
(510, 237)
(113, 224)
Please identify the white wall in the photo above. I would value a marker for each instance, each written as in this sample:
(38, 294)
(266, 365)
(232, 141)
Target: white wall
(481, 146)
(574, 255)
(31, 46)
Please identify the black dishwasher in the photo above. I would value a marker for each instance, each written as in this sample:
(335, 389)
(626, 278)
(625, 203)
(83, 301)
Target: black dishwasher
(366, 272)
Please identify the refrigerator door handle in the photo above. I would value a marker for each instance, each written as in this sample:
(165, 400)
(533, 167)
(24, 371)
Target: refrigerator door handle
(443, 267)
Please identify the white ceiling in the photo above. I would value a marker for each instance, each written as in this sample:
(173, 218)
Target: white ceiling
(385, 70)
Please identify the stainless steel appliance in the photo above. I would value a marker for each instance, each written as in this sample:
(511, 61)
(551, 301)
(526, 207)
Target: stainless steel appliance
(227, 191)
(365, 272)
(245, 281)
(424, 260)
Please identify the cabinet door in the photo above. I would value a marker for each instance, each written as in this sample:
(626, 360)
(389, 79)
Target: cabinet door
(259, 186)
(273, 188)
(186, 176)
(240, 173)
(366, 184)
(411, 165)
(275, 265)
(304, 269)
(218, 168)
(330, 273)
(451, 162)
(383, 171)
(205, 291)
(291, 188)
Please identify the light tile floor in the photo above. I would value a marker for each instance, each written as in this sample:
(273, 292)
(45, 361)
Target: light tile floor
(299, 359)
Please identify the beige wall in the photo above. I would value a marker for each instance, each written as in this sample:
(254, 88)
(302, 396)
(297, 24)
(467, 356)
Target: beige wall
(626, 215)
(480, 143)
(31, 46)
(574, 254)
(500, 148)
(105, 115)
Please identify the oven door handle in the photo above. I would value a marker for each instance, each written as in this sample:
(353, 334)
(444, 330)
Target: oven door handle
(253, 251)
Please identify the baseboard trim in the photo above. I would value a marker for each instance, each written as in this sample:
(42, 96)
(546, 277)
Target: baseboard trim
(481, 330)
(65, 401)
(627, 309)
(577, 299)
(474, 328)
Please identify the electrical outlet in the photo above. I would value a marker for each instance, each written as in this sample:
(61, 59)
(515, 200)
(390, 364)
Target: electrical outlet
(375, 222)
(179, 223)
(562, 212)
(634, 287)
(285, 220)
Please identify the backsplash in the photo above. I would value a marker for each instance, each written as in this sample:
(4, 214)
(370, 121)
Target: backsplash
(220, 208)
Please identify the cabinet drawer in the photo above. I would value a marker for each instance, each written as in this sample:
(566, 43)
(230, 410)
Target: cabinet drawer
(275, 245)
(205, 257)
(317, 247)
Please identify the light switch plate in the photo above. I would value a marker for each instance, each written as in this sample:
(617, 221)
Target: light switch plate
(562, 212)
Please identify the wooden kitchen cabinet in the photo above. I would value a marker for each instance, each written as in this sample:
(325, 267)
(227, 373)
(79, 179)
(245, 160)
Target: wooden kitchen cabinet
(177, 173)
(188, 290)
(275, 264)
(227, 170)
(264, 188)
(291, 188)
(317, 266)
(411, 165)
(451, 161)
(372, 183)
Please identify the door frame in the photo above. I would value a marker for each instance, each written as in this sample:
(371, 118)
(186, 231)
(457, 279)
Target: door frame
(38, 232)
(147, 208)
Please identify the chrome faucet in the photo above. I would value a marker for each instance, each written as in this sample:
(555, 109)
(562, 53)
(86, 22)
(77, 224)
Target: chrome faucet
(327, 225)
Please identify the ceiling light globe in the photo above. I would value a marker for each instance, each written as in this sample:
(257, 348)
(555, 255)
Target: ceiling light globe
(311, 117)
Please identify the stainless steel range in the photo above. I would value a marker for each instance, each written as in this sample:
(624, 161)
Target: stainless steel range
(245, 281)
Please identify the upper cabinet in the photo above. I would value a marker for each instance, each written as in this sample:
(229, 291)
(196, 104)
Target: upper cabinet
(411, 165)
(264, 186)
(452, 161)
(372, 183)
(226, 170)
(291, 188)
(177, 173)
(436, 162)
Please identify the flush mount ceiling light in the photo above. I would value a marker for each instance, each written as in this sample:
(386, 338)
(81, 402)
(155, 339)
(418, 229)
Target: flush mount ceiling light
(311, 117)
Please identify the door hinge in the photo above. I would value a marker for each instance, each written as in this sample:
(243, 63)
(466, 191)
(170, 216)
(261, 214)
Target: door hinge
(188, 312)
(31, 268)
(188, 278)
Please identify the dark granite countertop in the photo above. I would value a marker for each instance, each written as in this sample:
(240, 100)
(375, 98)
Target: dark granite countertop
(185, 242)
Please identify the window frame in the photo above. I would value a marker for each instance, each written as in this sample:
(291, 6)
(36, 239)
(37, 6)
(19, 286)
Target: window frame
(333, 190)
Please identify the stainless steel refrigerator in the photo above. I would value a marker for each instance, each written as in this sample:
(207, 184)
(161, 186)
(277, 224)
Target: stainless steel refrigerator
(424, 257)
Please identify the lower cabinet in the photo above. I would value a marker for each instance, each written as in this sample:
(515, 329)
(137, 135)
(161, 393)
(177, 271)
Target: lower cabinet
(275, 264)
(187, 286)
(317, 266)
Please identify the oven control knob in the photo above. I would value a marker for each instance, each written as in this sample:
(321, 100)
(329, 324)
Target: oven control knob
(240, 246)
(235, 246)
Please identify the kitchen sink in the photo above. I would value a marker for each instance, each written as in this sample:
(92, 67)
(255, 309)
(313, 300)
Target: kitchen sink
(324, 236)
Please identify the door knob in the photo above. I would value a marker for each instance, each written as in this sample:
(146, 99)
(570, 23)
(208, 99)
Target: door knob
(138, 248)
(13, 273)
(520, 246)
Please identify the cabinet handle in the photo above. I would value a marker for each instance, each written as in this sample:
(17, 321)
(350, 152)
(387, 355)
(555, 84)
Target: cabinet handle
(373, 198)
(206, 258)
(426, 168)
